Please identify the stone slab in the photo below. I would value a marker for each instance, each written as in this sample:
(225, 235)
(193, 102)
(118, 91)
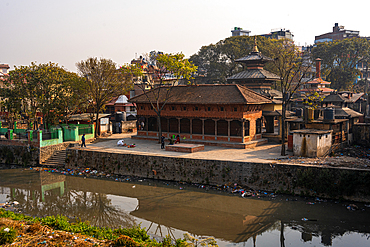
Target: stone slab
(185, 148)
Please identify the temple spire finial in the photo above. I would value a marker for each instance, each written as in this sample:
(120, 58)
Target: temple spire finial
(255, 48)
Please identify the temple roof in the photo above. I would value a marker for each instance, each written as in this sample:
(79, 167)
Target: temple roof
(346, 112)
(254, 74)
(254, 57)
(204, 94)
(317, 89)
(342, 98)
(318, 81)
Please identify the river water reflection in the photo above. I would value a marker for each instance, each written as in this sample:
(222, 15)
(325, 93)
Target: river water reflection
(170, 210)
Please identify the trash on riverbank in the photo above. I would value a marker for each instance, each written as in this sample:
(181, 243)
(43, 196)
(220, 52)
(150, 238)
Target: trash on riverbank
(352, 207)
(305, 219)
(33, 234)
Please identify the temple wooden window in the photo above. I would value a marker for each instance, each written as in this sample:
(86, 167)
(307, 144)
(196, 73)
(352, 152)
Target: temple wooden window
(152, 124)
(222, 128)
(196, 108)
(164, 125)
(173, 108)
(246, 128)
(184, 108)
(197, 126)
(222, 108)
(208, 108)
(235, 108)
(258, 126)
(209, 127)
(174, 125)
(185, 125)
(236, 128)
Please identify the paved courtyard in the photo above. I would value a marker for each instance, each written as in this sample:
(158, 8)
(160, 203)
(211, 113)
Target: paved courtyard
(264, 153)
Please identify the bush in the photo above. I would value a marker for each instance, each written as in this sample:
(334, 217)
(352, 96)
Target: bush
(125, 241)
(136, 233)
(7, 235)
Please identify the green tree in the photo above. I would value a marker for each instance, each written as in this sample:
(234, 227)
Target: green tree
(216, 62)
(103, 82)
(38, 88)
(340, 59)
(72, 90)
(173, 65)
(291, 66)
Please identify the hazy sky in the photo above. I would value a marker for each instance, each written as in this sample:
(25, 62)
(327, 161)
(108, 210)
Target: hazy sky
(68, 31)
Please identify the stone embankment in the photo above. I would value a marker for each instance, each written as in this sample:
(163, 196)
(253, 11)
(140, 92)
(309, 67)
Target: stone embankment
(299, 179)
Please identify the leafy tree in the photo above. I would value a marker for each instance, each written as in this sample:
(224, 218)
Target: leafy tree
(103, 82)
(174, 65)
(291, 66)
(72, 90)
(38, 88)
(340, 59)
(313, 99)
(216, 62)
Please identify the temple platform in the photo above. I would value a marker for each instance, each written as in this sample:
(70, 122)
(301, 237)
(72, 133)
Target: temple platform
(185, 147)
(245, 145)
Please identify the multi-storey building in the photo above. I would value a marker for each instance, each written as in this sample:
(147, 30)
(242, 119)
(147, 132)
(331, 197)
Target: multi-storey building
(238, 31)
(339, 33)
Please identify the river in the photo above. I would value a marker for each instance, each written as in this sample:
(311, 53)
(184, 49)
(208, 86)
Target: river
(173, 209)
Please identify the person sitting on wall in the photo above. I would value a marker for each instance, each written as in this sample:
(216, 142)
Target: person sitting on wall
(177, 139)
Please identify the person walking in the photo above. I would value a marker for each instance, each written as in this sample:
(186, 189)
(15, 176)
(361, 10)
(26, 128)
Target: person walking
(83, 144)
(162, 142)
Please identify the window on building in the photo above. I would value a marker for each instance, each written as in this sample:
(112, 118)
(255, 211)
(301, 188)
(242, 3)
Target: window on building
(142, 107)
(173, 108)
(208, 108)
(258, 126)
(235, 109)
(184, 108)
(246, 128)
(196, 108)
(222, 108)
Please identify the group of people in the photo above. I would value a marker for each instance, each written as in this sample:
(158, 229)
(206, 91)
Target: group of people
(177, 140)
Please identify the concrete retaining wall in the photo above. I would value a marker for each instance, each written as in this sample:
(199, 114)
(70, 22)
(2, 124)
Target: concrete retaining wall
(303, 180)
(22, 154)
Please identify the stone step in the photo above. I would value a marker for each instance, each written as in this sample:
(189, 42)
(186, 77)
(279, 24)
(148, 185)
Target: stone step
(58, 159)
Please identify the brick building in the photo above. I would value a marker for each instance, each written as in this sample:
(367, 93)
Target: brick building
(229, 115)
(339, 33)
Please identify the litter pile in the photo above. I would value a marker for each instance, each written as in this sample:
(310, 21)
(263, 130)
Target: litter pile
(351, 157)
(35, 234)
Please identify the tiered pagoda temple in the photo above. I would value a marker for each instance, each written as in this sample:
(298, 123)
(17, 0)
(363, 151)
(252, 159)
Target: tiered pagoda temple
(255, 77)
